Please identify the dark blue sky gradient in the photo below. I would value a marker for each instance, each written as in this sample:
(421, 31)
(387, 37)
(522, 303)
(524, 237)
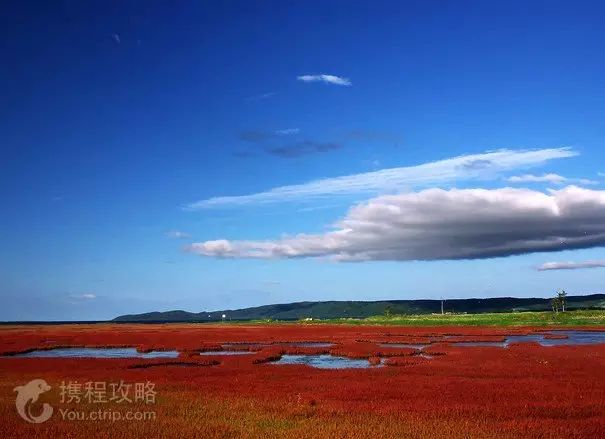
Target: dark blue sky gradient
(103, 141)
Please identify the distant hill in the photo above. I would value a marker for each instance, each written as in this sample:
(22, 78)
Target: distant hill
(359, 309)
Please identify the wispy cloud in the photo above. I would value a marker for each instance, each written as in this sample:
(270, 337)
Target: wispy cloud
(257, 136)
(260, 97)
(328, 79)
(177, 234)
(466, 167)
(78, 298)
(436, 224)
(272, 143)
(582, 181)
(299, 149)
(549, 178)
(530, 178)
(116, 38)
(571, 265)
(287, 131)
(365, 135)
(601, 174)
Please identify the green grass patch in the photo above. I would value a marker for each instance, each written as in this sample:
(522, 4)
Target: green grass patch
(543, 318)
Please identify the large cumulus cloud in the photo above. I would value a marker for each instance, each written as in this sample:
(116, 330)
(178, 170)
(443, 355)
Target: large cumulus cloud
(443, 224)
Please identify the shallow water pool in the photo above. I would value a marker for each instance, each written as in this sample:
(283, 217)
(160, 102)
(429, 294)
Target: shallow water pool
(226, 353)
(96, 353)
(574, 338)
(324, 361)
(296, 344)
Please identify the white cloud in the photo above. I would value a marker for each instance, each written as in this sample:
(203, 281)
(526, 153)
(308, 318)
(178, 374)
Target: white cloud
(177, 234)
(287, 131)
(571, 265)
(549, 178)
(438, 224)
(530, 178)
(85, 296)
(328, 79)
(467, 167)
(601, 174)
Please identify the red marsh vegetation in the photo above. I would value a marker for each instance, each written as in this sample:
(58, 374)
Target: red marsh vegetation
(450, 391)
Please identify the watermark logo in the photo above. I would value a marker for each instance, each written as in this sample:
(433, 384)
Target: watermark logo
(91, 394)
(27, 395)
(88, 401)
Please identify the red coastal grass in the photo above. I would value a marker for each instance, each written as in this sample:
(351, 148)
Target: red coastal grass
(524, 390)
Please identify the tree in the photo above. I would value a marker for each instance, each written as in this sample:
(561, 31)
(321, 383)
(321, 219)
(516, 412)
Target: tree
(388, 311)
(562, 298)
(555, 304)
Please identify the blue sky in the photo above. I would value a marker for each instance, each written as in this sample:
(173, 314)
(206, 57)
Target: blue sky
(122, 120)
